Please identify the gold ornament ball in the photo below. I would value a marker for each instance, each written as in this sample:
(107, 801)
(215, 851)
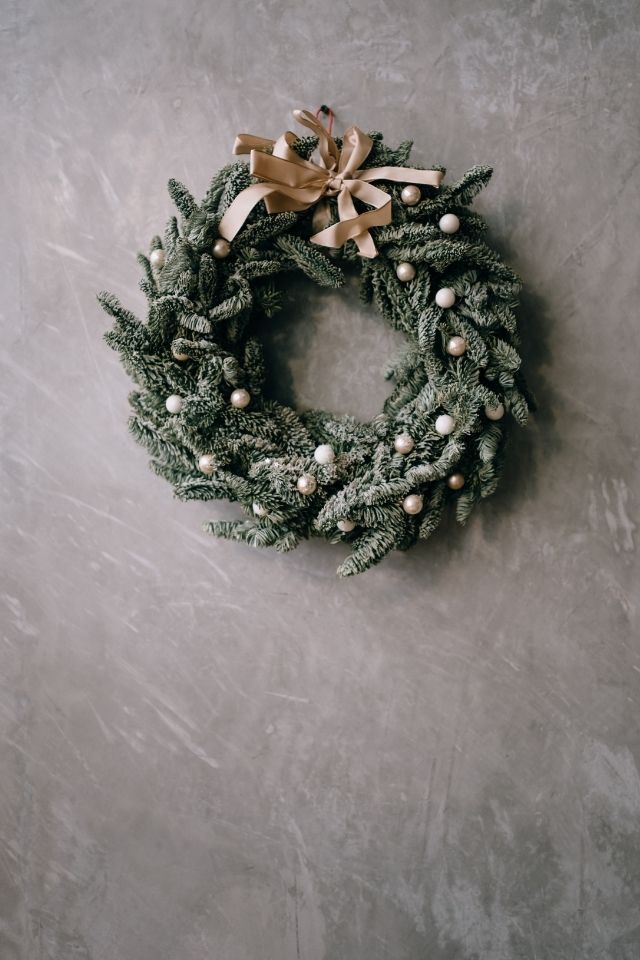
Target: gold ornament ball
(456, 346)
(445, 297)
(346, 526)
(173, 403)
(449, 223)
(177, 353)
(240, 398)
(405, 271)
(455, 481)
(403, 443)
(412, 504)
(157, 259)
(306, 484)
(207, 464)
(411, 195)
(221, 248)
(494, 412)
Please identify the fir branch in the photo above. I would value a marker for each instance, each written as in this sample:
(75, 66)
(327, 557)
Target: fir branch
(368, 550)
(234, 304)
(311, 261)
(182, 198)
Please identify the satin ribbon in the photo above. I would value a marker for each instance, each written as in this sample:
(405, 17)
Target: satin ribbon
(290, 183)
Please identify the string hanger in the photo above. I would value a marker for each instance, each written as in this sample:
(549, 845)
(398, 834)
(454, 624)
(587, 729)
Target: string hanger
(327, 112)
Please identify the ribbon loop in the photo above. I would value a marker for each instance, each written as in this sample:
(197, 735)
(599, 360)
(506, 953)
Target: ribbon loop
(288, 182)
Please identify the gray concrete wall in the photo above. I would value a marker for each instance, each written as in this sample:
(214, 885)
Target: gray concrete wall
(217, 753)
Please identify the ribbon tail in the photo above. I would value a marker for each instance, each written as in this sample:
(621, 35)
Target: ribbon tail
(246, 142)
(354, 226)
(430, 178)
(356, 146)
(241, 207)
(364, 240)
(366, 246)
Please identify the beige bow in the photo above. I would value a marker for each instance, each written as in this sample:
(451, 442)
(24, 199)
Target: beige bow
(291, 183)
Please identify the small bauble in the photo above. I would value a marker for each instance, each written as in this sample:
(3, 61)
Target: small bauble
(221, 248)
(403, 443)
(410, 195)
(456, 346)
(240, 398)
(445, 424)
(259, 510)
(412, 504)
(445, 297)
(346, 526)
(178, 354)
(306, 484)
(405, 271)
(455, 481)
(173, 403)
(494, 413)
(449, 223)
(157, 259)
(207, 463)
(324, 453)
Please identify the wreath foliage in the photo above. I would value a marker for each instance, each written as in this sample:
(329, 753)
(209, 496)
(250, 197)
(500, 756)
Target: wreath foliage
(201, 347)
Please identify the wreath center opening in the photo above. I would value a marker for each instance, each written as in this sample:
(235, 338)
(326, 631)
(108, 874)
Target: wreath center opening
(327, 350)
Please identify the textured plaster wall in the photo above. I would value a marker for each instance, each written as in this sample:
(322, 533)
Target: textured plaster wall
(211, 752)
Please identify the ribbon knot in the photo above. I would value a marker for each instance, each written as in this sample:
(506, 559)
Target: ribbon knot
(287, 182)
(336, 184)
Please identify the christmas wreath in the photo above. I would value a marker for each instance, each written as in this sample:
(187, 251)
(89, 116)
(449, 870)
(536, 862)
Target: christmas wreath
(213, 282)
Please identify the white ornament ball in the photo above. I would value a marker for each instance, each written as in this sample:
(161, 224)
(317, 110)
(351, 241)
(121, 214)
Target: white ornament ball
(346, 525)
(449, 223)
(324, 453)
(405, 271)
(456, 346)
(178, 355)
(157, 259)
(403, 443)
(240, 398)
(445, 424)
(221, 248)
(413, 503)
(173, 403)
(445, 297)
(410, 195)
(494, 413)
(259, 510)
(207, 463)
(306, 484)
(455, 481)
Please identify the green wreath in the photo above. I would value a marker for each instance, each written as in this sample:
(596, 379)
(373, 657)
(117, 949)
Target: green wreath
(201, 408)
